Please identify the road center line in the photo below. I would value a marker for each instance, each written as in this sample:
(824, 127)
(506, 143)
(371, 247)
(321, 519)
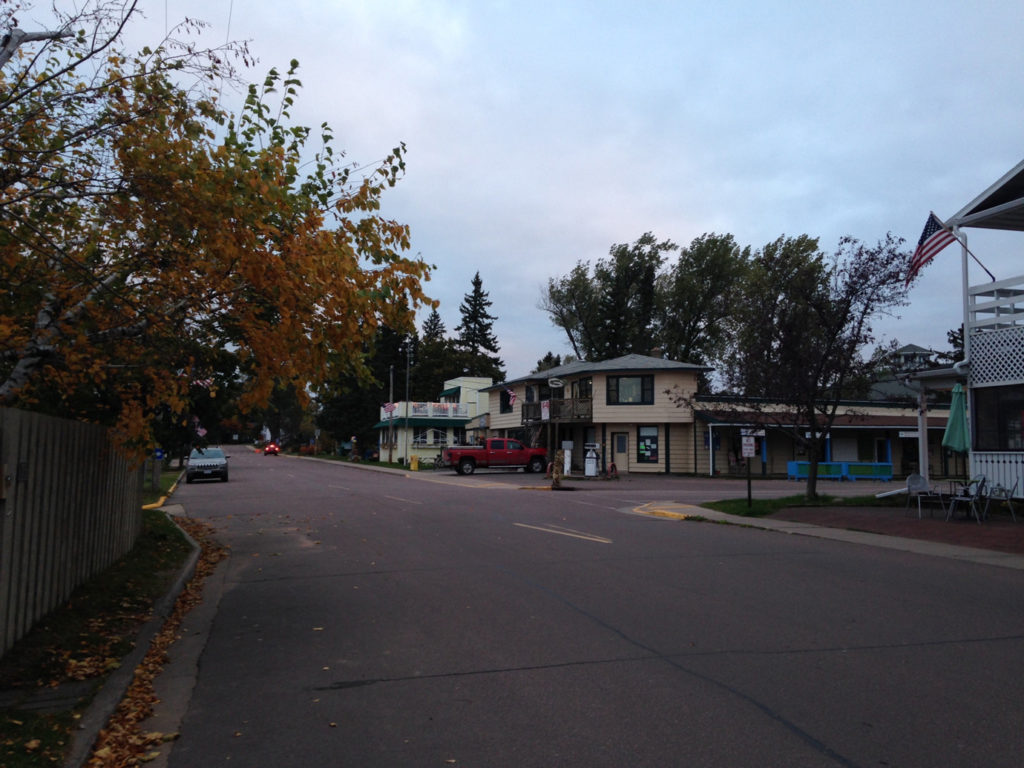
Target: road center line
(399, 498)
(567, 532)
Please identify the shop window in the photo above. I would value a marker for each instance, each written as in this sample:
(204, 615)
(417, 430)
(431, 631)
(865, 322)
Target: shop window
(647, 445)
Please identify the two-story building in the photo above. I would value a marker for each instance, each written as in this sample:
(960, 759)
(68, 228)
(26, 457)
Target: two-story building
(422, 429)
(643, 414)
(624, 406)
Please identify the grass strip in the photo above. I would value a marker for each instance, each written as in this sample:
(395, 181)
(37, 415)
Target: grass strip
(766, 507)
(85, 639)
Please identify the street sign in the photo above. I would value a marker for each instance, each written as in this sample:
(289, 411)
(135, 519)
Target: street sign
(749, 447)
(158, 454)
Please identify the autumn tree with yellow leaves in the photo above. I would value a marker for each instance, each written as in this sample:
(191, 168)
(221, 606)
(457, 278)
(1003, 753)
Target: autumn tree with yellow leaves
(144, 230)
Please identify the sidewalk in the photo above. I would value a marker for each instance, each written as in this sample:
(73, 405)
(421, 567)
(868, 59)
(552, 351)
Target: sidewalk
(997, 533)
(998, 541)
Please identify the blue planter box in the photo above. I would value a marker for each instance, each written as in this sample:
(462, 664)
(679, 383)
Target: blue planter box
(841, 470)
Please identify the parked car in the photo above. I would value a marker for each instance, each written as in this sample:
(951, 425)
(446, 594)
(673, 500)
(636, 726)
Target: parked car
(206, 464)
(271, 449)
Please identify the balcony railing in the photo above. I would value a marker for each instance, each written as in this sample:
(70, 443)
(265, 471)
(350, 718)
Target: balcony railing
(573, 409)
(426, 411)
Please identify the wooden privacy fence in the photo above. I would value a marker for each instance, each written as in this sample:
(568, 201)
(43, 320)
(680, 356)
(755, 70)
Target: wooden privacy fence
(70, 507)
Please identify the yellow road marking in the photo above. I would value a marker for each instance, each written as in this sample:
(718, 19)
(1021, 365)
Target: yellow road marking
(567, 532)
(670, 509)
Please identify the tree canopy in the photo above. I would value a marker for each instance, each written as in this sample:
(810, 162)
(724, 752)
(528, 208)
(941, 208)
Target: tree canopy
(796, 347)
(144, 229)
(637, 301)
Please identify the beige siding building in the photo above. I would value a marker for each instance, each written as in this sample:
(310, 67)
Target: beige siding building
(630, 410)
(642, 414)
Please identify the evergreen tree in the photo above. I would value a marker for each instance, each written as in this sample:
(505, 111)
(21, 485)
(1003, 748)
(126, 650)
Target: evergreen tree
(476, 340)
(351, 404)
(433, 327)
(548, 362)
(437, 361)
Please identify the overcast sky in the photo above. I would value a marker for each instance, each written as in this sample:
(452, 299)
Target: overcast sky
(542, 133)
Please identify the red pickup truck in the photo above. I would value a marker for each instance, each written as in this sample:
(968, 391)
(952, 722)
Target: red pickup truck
(496, 452)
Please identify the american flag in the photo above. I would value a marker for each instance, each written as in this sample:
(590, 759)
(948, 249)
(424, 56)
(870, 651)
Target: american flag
(511, 396)
(389, 407)
(934, 238)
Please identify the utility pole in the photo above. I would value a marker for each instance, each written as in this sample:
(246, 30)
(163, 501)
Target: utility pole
(391, 417)
(408, 363)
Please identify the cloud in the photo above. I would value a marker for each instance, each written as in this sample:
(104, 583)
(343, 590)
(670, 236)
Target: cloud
(540, 134)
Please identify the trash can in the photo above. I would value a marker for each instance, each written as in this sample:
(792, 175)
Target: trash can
(590, 462)
(414, 463)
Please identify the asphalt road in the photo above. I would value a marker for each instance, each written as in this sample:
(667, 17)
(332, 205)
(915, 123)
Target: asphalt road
(369, 619)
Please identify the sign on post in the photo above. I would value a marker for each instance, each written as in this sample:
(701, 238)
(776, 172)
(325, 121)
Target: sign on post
(749, 452)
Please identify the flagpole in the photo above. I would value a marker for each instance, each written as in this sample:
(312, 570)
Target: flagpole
(963, 244)
(964, 250)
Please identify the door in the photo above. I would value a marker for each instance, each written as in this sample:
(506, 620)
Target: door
(514, 453)
(497, 456)
(620, 451)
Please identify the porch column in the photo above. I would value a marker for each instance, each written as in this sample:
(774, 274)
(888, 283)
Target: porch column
(711, 449)
(922, 433)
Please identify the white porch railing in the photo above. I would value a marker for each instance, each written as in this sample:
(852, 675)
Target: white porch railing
(414, 410)
(1005, 469)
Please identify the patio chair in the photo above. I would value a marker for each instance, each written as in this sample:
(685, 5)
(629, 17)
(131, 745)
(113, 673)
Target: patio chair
(1000, 492)
(973, 495)
(918, 488)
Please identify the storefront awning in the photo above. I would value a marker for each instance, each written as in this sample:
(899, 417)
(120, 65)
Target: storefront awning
(843, 421)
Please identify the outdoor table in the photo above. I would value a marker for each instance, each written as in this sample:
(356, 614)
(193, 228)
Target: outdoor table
(959, 490)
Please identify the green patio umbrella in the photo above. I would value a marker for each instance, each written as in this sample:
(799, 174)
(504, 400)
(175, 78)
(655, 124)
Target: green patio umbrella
(956, 436)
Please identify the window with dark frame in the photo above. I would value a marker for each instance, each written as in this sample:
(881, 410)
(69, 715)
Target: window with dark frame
(647, 445)
(999, 418)
(630, 390)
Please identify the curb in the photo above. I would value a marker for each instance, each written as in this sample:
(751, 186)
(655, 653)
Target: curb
(114, 688)
(163, 499)
(673, 510)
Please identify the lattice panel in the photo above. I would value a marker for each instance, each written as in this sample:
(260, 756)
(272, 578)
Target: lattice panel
(997, 357)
